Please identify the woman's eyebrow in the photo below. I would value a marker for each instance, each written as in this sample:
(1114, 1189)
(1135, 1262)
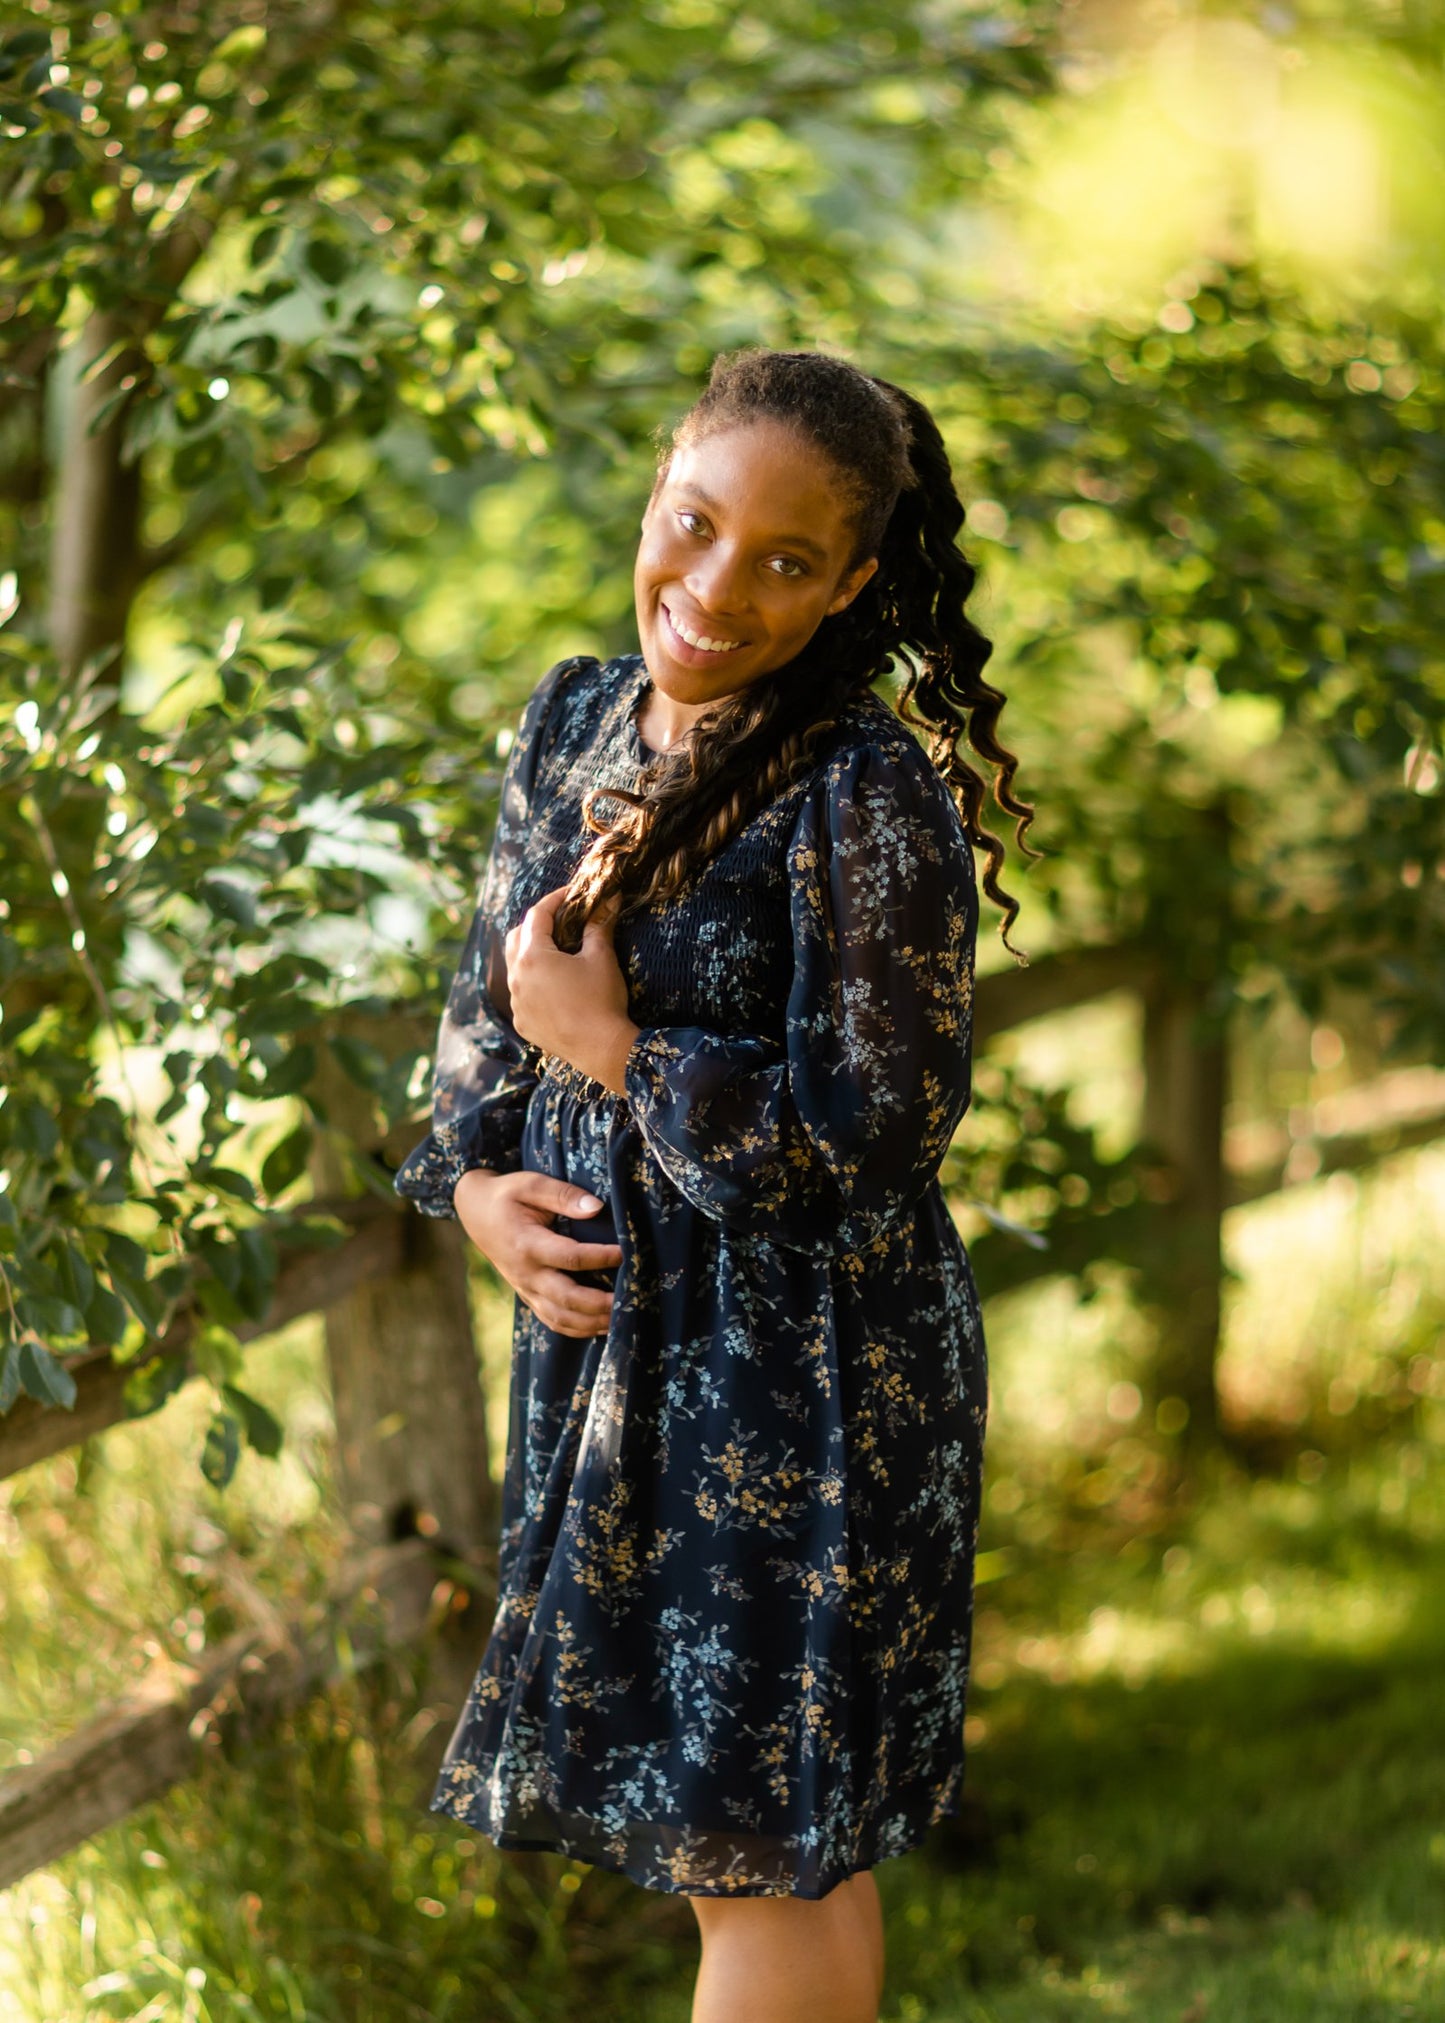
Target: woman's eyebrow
(772, 540)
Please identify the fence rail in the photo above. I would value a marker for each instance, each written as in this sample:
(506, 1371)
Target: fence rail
(157, 1735)
(32, 1432)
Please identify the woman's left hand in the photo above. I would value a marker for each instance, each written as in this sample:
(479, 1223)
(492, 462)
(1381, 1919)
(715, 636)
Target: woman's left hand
(574, 1006)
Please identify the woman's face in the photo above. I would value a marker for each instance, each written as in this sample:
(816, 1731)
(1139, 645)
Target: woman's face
(746, 546)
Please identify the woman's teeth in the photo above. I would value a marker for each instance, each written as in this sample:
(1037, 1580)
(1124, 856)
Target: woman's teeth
(700, 639)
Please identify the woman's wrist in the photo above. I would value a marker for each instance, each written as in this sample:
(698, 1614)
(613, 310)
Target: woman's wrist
(609, 1056)
(472, 1173)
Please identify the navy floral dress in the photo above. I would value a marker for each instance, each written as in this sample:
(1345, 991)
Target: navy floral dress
(732, 1638)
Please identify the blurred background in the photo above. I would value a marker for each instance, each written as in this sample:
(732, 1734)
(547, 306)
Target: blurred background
(334, 339)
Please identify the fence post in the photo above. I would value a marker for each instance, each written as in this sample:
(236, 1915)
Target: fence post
(411, 1426)
(406, 1387)
(1185, 1090)
(1184, 1093)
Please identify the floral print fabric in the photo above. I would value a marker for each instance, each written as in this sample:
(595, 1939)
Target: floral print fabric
(731, 1645)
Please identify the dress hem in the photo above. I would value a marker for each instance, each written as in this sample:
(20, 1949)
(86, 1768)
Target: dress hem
(905, 1836)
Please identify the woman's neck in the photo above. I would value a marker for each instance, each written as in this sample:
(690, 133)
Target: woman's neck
(662, 721)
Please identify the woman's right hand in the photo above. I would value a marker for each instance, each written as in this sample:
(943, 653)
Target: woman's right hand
(508, 1217)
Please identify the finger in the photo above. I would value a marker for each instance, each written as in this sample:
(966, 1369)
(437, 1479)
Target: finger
(585, 1307)
(542, 910)
(563, 1253)
(569, 1295)
(560, 1197)
(571, 1330)
(568, 1309)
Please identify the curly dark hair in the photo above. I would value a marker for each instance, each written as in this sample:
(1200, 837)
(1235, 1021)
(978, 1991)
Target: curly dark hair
(889, 455)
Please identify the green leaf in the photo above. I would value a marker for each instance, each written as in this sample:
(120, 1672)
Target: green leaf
(222, 1305)
(258, 1272)
(292, 1073)
(287, 1161)
(143, 1299)
(27, 42)
(9, 1377)
(36, 1130)
(264, 244)
(105, 1317)
(262, 1428)
(235, 684)
(314, 1232)
(320, 393)
(46, 1381)
(217, 1354)
(362, 1061)
(201, 458)
(328, 261)
(219, 1251)
(148, 1387)
(69, 104)
(76, 1277)
(52, 1319)
(222, 1449)
(371, 1175)
(227, 1181)
(232, 901)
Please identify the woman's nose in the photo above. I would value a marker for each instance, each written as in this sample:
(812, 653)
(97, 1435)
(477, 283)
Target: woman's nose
(717, 583)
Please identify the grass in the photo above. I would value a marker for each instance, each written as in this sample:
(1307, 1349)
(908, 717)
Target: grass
(1219, 1794)
(1207, 1768)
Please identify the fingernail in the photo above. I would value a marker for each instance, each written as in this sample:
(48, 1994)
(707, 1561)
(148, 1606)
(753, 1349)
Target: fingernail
(588, 1201)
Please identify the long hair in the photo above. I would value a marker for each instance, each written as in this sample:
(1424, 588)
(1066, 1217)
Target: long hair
(886, 449)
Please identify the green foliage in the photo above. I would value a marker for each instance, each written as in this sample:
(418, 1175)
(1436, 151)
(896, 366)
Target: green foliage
(192, 871)
(1223, 563)
(367, 325)
(294, 295)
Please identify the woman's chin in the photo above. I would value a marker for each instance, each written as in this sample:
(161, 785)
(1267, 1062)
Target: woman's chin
(677, 679)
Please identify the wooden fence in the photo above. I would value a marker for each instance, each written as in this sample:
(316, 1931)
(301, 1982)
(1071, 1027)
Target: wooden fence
(412, 1458)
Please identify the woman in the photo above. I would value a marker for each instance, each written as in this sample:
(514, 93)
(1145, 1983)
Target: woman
(707, 1045)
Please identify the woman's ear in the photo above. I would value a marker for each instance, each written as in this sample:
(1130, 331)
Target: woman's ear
(851, 584)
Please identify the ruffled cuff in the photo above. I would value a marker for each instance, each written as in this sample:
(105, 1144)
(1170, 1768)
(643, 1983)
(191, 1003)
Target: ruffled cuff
(429, 1173)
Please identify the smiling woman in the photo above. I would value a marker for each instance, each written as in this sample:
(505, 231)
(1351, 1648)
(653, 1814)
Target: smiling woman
(708, 1042)
(730, 581)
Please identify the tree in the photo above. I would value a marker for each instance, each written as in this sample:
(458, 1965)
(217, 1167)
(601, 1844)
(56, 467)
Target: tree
(284, 287)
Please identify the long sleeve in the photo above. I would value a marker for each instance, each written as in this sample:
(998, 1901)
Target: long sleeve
(485, 1072)
(820, 1143)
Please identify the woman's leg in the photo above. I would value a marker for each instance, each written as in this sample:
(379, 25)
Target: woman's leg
(791, 1959)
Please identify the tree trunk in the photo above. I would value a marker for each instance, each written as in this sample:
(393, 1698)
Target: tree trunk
(96, 545)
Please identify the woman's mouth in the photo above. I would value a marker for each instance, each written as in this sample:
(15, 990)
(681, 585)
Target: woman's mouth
(696, 648)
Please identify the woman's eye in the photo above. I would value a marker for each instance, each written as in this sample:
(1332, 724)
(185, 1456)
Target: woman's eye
(786, 565)
(692, 523)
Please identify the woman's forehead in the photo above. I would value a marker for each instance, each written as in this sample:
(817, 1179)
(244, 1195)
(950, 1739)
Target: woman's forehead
(764, 472)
